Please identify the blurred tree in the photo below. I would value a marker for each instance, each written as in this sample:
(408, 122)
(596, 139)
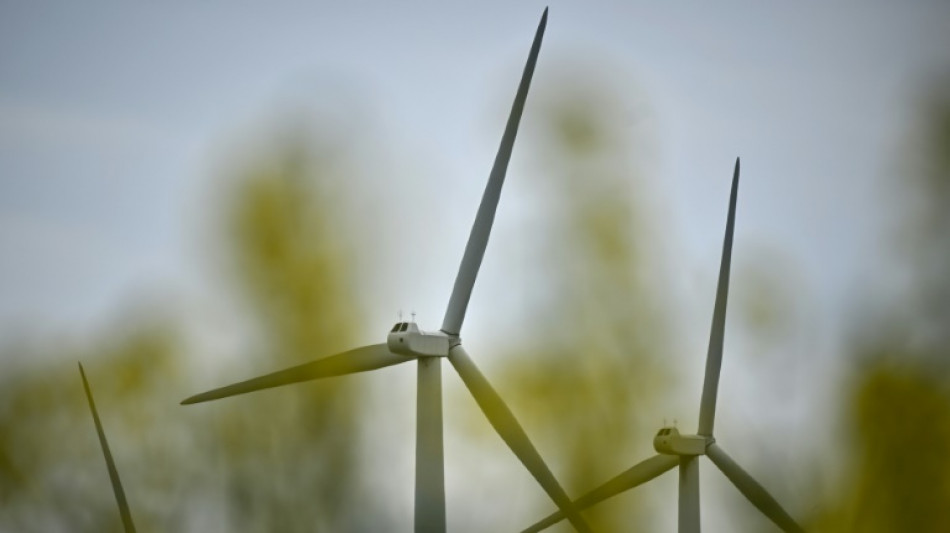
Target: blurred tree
(277, 461)
(52, 474)
(897, 409)
(596, 371)
(290, 455)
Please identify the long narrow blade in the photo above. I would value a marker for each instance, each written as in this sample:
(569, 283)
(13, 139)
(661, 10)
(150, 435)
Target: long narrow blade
(110, 464)
(356, 360)
(505, 424)
(707, 407)
(478, 239)
(751, 489)
(637, 475)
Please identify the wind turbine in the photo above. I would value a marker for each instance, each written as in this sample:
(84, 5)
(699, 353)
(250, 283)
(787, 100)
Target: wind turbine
(110, 464)
(407, 342)
(675, 449)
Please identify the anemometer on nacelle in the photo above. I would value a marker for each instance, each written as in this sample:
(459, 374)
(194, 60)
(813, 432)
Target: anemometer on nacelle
(407, 339)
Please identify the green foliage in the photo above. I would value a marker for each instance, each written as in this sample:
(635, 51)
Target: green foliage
(898, 406)
(290, 455)
(593, 381)
(46, 433)
(903, 431)
(280, 461)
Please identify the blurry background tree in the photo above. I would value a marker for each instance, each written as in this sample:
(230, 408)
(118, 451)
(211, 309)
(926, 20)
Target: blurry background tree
(290, 456)
(52, 475)
(280, 461)
(896, 409)
(589, 386)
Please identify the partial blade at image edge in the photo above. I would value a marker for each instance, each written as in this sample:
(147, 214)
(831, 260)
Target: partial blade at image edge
(481, 228)
(635, 476)
(707, 406)
(506, 425)
(120, 500)
(751, 489)
(349, 362)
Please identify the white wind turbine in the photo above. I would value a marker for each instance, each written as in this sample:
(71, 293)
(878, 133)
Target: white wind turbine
(406, 342)
(684, 450)
(110, 464)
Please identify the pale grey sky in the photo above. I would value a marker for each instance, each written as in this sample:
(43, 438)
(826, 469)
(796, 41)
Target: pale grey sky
(112, 115)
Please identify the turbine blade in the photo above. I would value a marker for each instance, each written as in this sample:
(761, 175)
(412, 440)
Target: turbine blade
(637, 475)
(505, 424)
(751, 489)
(110, 464)
(350, 362)
(478, 239)
(707, 407)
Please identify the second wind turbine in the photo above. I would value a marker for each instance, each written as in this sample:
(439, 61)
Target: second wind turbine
(683, 451)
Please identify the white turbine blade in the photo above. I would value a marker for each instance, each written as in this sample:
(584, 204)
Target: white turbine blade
(751, 489)
(508, 428)
(478, 239)
(707, 406)
(110, 464)
(637, 475)
(350, 362)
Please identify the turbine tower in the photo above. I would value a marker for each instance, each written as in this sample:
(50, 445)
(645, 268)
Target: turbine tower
(110, 464)
(406, 342)
(684, 451)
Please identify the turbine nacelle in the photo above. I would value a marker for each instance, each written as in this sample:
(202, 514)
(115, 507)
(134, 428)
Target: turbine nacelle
(407, 339)
(669, 441)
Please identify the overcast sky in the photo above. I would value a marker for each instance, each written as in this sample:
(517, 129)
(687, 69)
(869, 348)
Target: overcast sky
(112, 116)
(115, 119)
